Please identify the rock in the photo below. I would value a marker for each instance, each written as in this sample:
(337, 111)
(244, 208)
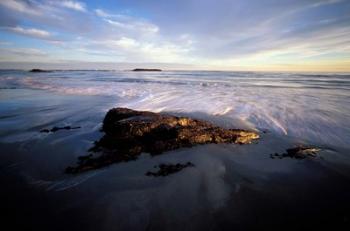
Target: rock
(299, 152)
(38, 70)
(55, 129)
(302, 152)
(167, 169)
(146, 69)
(128, 133)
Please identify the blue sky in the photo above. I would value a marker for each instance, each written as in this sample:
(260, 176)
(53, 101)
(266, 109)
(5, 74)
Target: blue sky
(200, 34)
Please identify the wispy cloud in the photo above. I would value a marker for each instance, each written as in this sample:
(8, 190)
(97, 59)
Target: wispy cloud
(27, 7)
(140, 51)
(325, 2)
(127, 22)
(134, 25)
(33, 32)
(74, 5)
(103, 14)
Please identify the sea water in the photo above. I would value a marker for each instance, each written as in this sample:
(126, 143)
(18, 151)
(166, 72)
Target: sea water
(231, 186)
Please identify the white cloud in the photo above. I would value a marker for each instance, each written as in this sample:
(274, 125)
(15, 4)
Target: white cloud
(33, 32)
(126, 43)
(116, 23)
(20, 6)
(44, 8)
(102, 13)
(325, 2)
(74, 5)
(134, 25)
(140, 51)
(127, 22)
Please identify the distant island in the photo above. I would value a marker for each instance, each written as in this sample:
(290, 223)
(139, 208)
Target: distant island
(146, 69)
(38, 70)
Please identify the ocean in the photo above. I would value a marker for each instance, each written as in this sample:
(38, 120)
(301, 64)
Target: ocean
(231, 186)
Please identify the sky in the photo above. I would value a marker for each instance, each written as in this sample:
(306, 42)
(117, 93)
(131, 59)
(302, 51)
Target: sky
(267, 35)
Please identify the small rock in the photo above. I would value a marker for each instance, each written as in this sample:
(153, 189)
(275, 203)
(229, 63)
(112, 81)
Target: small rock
(300, 152)
(167, 169)
(55, 129)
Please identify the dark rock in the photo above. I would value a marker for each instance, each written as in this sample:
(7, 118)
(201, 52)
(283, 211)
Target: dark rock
(300, 152)
(55, 129)
(45, 130)
(167, 169)
(146, 69)
(128, 133)
(38, 70)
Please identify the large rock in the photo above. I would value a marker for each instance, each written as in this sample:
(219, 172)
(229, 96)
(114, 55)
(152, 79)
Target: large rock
(128, 133)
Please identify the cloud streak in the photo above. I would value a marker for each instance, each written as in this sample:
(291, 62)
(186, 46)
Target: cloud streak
(127, 22)
(26, 7)
(74, 5)
(32, 32)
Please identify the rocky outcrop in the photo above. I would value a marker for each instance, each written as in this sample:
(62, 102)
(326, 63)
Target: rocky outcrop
(38, 70)
(128, 133)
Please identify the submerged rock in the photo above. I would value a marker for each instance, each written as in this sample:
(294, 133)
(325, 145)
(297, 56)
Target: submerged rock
(128, 133)
(167, 169)
(300, 152)
(55, 129)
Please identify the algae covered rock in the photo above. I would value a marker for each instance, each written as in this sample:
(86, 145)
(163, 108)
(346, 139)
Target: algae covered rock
(128, 133)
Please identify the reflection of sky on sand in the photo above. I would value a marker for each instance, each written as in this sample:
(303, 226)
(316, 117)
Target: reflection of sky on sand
(123, 197)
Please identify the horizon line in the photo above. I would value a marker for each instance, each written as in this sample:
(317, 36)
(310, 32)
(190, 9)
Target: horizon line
(181, 70)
